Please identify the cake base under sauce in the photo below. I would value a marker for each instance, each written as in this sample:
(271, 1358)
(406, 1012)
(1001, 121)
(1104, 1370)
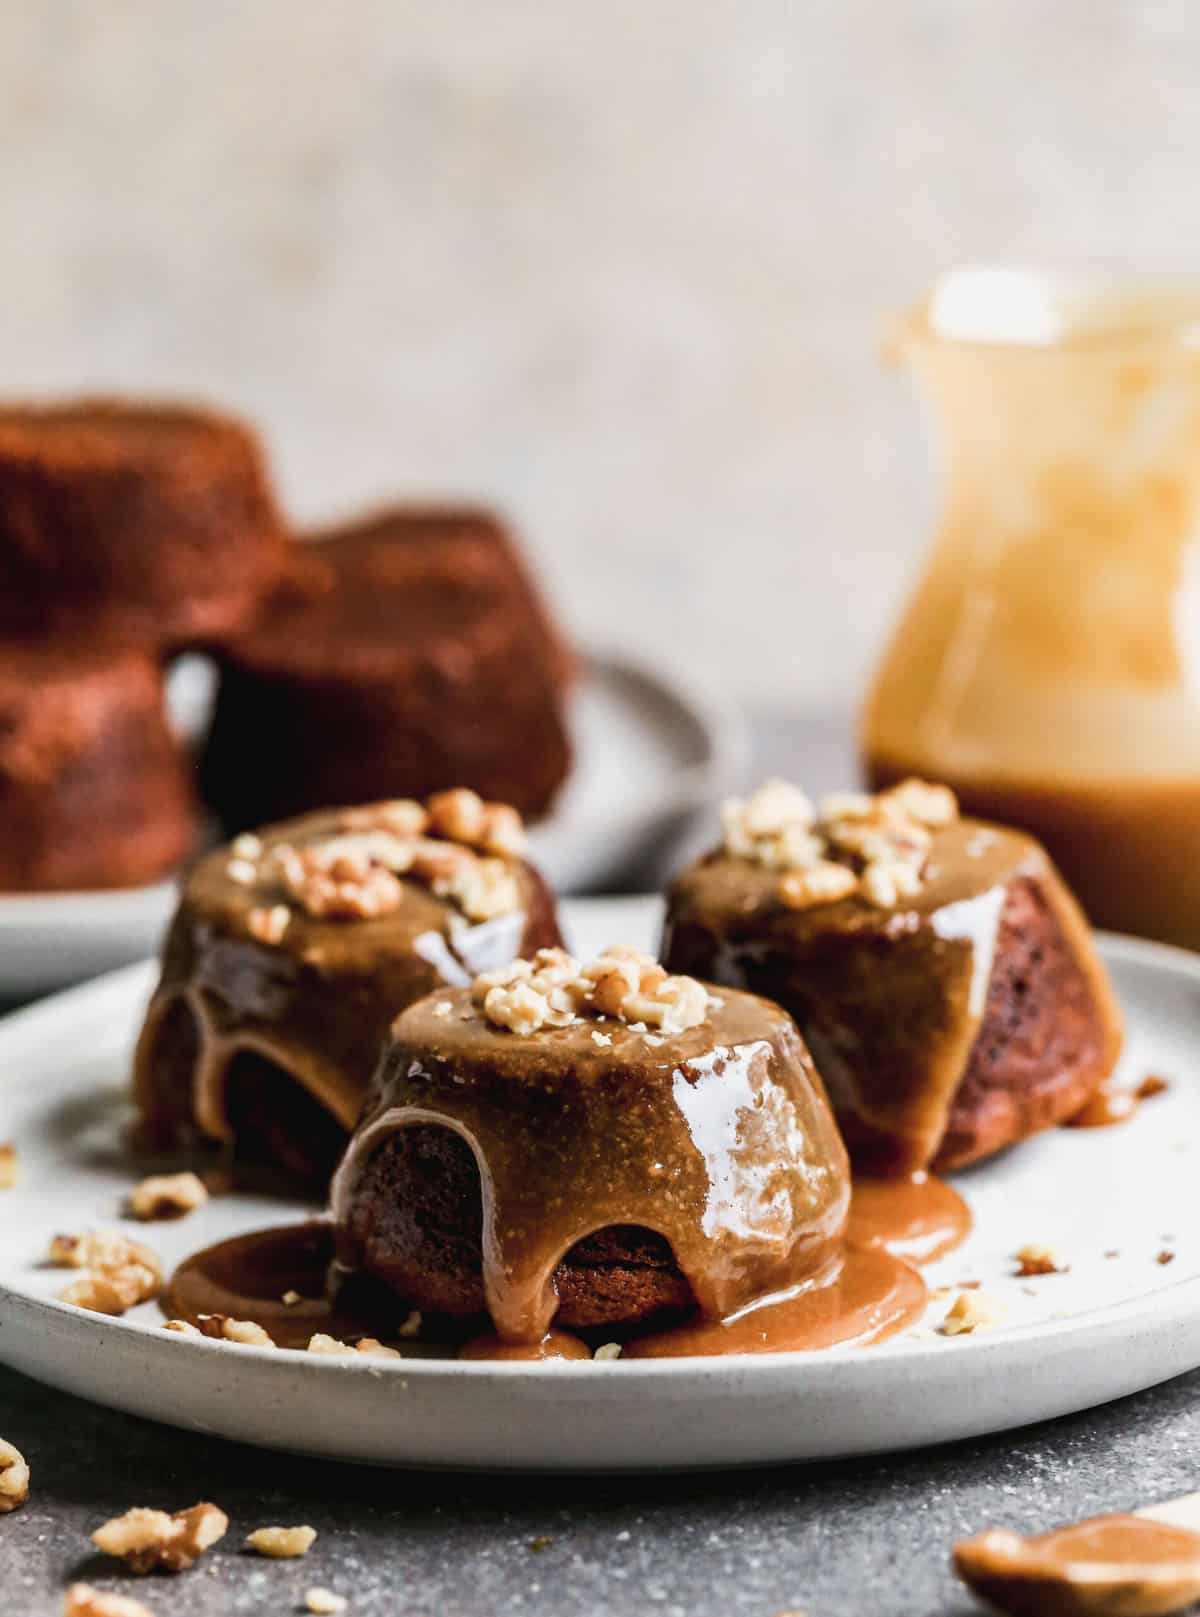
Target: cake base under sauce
(874, 1292)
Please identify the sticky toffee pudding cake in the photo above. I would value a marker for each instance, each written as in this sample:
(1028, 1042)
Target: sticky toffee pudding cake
(941, 973)
(293, 949)
(608, 1147)
(94, 788)
(152, 522)
(403, 655)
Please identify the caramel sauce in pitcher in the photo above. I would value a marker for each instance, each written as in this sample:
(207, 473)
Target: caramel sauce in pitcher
(1045, 667)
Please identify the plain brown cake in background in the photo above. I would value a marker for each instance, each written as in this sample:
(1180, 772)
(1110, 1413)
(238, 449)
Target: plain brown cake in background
(155, 524)
(404, 654)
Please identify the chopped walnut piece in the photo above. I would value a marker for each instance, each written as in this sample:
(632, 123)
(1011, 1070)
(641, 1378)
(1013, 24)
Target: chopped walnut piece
(928, 804)
(121, 1273)
(242, 1331)
(772, 826)
(153, 1541)
(971, 1311)
(282, 1543)
(402, 816)
(84, 1601)
(269, 925)
(885, 881)
(674, 1005)
(9, 1168)
(372, 1348)
(328, 1345)
(459, 814)
(1165, 1256)
(1150, 1086)
(14, 1478)
(324, 1602)
(167, 1196)
(608, 1350)
(246, 846)
(822, 883)
(1035, 1259)
(520, 1009)
(242, 872)
(482, 888)
(339, 880)
(182, 1327)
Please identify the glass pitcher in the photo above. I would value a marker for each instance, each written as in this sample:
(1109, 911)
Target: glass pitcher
(1048, 664)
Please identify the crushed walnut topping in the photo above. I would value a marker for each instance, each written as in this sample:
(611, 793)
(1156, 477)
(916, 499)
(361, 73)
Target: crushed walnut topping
(170, 1195)
(267, 925)
(14, 1478)
(120, 1273)
(282, 1543)
(9, 1167)
(242, 1331)
(182, 1327)
(606, 1351)
(971, 1311)
(153, 1541)
(460, 846)
(1036, 1259)
(872, 844)
(84, 1601)
(554, 990)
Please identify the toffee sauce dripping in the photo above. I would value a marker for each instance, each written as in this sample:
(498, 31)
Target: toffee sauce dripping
(871, 1294)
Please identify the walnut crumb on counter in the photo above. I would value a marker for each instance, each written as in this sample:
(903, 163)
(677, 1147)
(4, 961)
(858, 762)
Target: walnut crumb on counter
(10, 1170)
(324, 1602)
(153, 1541)
(170, 1195)
(14, 1478)
(282, 1543)
(84, 1601)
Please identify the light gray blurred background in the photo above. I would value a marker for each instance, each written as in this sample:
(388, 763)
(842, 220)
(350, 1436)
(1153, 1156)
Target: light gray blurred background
(620, 266)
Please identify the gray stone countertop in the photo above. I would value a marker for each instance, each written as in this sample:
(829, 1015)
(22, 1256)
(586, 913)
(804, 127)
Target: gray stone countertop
(849, 1539)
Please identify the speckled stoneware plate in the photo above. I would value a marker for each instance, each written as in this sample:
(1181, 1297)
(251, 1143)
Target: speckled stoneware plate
(1110, 1200)
(652, 752)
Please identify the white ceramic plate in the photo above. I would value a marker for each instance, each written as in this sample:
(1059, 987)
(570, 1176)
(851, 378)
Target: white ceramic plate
(652, 753)
(1111, 1326)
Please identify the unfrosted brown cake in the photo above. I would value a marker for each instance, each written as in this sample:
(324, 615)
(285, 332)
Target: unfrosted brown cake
(151, 524)
(941, 973)
(404, 655)
(95, 791)
(293, 949)
(646, 1148)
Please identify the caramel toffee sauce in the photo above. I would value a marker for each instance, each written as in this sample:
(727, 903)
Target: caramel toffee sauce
(869, 1292)
(1106, 1107)
(1127, 1564)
